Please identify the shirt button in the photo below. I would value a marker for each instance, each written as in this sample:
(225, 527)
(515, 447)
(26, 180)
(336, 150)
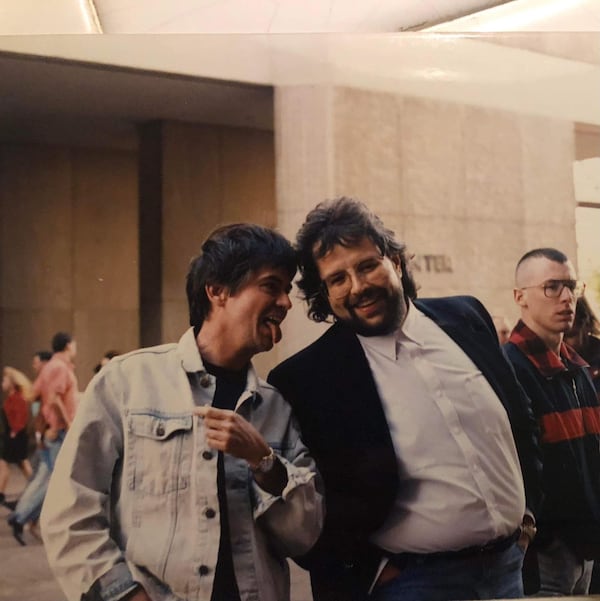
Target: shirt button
(160, 431)
(210, 513)
(203, 570)
(207, 455)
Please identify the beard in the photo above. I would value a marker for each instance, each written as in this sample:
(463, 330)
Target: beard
(393, 316)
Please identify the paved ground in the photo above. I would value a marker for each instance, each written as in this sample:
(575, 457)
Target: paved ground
(24, 571)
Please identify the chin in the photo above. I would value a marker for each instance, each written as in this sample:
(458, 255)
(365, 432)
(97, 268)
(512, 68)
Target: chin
(381, 327)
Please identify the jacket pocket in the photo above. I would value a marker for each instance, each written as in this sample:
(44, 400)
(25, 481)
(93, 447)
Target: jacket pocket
(156, 465)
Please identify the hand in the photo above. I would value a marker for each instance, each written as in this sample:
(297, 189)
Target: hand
(528, 532)
(229, 432)
(523, 542)
(12, 434)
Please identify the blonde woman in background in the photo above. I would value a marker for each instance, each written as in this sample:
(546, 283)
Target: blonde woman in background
(15, 415)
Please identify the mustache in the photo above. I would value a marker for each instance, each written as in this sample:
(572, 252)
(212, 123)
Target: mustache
(369, 294)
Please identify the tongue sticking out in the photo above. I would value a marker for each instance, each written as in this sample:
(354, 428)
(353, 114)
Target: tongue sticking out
(275, 330)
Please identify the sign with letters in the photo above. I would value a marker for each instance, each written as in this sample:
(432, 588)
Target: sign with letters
(432, 263)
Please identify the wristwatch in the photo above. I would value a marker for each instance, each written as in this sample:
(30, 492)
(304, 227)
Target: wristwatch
(265, 464)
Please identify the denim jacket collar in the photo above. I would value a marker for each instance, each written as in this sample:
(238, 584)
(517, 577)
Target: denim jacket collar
(191, 362)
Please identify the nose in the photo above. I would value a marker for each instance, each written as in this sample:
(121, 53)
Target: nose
(357, 283)
(284, 301)
(567, 293)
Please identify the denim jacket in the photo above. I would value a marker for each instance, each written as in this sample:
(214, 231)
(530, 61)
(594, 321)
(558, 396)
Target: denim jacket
(133, 497)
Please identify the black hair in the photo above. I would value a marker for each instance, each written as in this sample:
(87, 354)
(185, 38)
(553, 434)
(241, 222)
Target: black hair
(43, 355)
(586, 323)
(543, 253)
(60, 341)
(344, 221)
(229, 257)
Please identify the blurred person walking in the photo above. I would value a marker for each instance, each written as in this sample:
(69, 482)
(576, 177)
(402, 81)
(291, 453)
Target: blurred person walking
(584, 337)
(39, 360)
(108, 355)
(56, 385)
(15, 414)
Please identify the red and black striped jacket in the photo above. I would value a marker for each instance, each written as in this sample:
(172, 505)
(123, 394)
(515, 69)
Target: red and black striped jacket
(566, 406)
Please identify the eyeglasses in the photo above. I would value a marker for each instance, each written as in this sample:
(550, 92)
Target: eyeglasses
(554, 288)
(339, 284)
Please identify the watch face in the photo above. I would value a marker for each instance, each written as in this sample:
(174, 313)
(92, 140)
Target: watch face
(266, 463)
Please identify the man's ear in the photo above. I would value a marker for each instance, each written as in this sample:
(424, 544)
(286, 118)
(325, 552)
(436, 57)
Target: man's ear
(217, 294)
(519, 296)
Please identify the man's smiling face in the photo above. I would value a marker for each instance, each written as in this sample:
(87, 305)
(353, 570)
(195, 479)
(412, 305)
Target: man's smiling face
(364, 289)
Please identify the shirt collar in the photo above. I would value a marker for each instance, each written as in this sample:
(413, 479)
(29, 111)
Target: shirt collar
(411, 327)
(536, 350)
(387, 344)
(192, 361)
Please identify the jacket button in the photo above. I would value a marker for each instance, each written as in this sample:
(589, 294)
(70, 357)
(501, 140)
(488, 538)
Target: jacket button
(203, 570)
(205, 381)
(210, 513)
(160, 431)
(207, 455)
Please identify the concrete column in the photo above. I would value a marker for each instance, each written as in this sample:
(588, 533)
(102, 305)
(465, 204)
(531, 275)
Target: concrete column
(196, 177)
(68, 256)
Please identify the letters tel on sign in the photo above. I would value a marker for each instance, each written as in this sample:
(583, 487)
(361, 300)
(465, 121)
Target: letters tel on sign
(432, 263)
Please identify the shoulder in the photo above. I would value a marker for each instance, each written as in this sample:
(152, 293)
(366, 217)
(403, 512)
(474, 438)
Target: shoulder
(143, 355)
(458, 304)
(54, 366)
(56, 370)
(518, 359)
(324, 348)
(146, 364)
(457, 310)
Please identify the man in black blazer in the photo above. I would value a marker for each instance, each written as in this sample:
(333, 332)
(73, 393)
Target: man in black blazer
(418, 426)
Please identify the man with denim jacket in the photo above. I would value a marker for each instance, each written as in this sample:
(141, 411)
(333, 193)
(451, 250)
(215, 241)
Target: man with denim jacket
(564, 401)
(183, 475)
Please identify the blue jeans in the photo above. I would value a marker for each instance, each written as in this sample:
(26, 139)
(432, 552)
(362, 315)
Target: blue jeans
(486, 576)
(562, 571)
(29, 505)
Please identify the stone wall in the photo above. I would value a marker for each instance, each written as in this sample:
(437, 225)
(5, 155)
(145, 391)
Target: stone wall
(469, 189)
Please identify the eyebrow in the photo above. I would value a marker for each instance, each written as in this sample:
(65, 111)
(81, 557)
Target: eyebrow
(355, 265)
(271, 277)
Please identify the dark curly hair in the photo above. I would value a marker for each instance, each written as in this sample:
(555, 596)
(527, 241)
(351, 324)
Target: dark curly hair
(344, 221)
(585, 327)
(229, 257)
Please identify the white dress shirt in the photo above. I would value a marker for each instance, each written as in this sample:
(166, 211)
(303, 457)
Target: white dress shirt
(460, 479)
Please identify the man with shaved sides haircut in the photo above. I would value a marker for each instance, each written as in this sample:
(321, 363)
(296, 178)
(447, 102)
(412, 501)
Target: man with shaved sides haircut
(565, 404)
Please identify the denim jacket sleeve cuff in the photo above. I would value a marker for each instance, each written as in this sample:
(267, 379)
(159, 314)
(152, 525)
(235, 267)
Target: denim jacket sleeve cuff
(297, 476)
(116, 584)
